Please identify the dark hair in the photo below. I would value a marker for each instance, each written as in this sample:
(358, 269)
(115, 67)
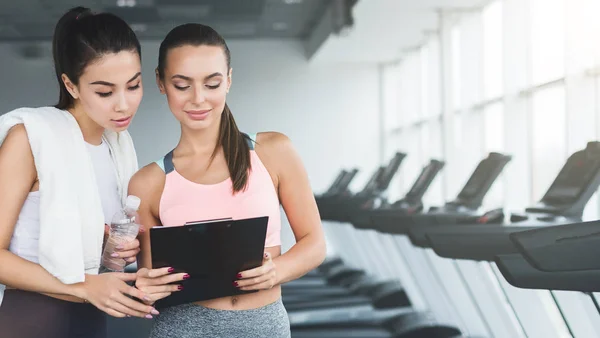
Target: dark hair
(234, 143)
(80, 38)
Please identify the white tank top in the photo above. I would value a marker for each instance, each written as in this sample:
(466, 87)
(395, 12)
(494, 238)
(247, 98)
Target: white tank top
(24, 242)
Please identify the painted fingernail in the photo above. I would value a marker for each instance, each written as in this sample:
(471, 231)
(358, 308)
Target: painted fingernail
(154, 312)
(170, 270)
(119, 247)
(179, 287)
(239, 275)
(147, 298)
(114, 254)
(186, 276)
(236, 284)
(149, 316)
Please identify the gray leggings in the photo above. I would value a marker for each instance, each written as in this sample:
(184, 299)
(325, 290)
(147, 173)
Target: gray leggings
(193, 321)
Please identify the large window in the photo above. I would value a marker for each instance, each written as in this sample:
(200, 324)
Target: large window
(492, 50)
(547, 40)
(548, 137)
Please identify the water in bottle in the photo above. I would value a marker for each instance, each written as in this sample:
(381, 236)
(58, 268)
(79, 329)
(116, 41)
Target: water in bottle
(124, 228)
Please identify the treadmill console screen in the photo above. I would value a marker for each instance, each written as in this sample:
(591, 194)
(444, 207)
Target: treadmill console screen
(346, 180)
(427, 175)
(575, 176)
(483, 177)
(477, 179)
(334, 186)
(389, 171)
(371, 185)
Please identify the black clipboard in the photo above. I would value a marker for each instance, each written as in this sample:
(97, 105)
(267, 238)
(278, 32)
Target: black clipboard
(212, 252)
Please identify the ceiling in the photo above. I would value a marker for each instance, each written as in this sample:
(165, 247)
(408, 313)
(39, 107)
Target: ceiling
(386, 30)
(375, 31)
(34, 20)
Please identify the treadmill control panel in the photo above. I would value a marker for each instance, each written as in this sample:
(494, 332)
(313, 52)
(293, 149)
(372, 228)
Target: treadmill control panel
(480, 182)
(575, 176)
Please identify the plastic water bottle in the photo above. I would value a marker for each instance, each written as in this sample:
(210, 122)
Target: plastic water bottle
(124, 228)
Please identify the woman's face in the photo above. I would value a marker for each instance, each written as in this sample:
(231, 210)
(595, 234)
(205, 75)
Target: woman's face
(196, 82)
(110, 90)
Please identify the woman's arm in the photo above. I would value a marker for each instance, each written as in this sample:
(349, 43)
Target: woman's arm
(148, 184)
(295, 194)
(17, 177)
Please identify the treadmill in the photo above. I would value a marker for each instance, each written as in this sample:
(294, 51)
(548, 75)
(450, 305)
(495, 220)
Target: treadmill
(337, 190)
(410, 203)
(331, 209)
(397, 221)
(377, 321)
(370, 286)
(340, 275)
(563, 203)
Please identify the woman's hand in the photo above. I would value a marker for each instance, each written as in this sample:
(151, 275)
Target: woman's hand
(109, 293)
(128, 251)
(156, 283)
(261, 278)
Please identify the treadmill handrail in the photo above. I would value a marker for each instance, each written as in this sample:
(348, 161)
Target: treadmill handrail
(473, 242)
(519, 273)
(568, 247)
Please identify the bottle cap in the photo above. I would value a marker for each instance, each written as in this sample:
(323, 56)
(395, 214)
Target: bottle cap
(133, 202)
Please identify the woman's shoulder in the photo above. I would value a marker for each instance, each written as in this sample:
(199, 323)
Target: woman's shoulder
(274, 149)
(149, 179)
(271, 140)
(42, 111)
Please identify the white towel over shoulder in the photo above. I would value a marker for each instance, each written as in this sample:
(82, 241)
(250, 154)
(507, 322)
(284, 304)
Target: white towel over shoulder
(71, 218)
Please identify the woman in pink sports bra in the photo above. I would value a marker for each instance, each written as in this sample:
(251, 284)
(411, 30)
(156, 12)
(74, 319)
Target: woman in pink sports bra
(216, 171)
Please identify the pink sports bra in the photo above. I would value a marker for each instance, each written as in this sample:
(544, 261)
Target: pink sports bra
(185, 201)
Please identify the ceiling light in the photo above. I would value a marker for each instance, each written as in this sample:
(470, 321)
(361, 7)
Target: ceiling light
(126, 3)
(292, 2)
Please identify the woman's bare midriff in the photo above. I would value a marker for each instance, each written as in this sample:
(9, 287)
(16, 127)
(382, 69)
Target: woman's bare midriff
(247, 301)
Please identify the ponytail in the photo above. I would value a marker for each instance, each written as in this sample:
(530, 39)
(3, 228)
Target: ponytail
(236, 150)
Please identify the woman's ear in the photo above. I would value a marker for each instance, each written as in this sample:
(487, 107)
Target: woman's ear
(161, 86)
(71, 87)
(229, 79)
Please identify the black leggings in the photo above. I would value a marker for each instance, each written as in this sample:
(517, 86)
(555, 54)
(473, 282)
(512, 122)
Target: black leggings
(32, 315)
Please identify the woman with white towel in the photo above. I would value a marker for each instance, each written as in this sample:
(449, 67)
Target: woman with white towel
(64, 172)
